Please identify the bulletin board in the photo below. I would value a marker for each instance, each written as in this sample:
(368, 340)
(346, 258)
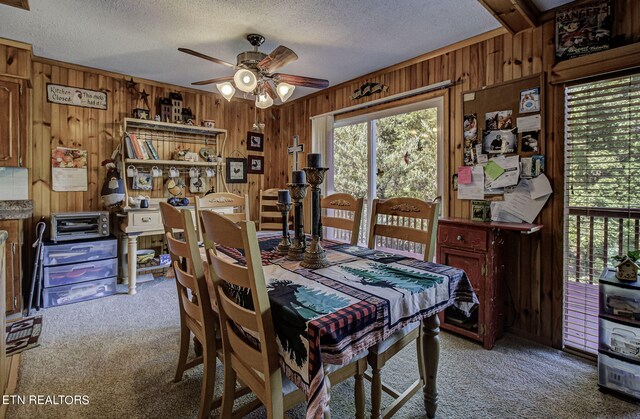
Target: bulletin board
(503, 97)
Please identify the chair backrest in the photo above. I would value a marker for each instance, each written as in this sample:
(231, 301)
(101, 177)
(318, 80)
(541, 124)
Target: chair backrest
(171, 218)
(270, 218)
(407, 219)
(219, 200)
(248, 335)
(196, 313)
(347, 213)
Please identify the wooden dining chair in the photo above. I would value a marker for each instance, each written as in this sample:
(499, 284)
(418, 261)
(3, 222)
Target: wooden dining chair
(234, 207)
(248, 334)
(413, 220)
(270, 218)
(347, 205)
(197, 316)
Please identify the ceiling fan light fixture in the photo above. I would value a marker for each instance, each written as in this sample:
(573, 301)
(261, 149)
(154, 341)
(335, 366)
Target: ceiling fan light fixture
(284, 91)
(226, 89)
(245, 80)
(263, 100)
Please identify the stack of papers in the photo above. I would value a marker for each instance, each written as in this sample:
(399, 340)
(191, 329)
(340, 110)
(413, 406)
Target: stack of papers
(525, 202)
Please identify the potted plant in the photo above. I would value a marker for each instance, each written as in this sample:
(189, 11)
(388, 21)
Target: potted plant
(627, 268)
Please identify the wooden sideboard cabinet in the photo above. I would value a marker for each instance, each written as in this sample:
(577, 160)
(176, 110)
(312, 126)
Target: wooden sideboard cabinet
(478, 249)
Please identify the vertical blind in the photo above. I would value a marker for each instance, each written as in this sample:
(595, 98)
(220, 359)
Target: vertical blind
(602, 195)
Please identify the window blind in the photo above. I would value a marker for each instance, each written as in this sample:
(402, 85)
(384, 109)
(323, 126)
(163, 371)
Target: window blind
(602, 195)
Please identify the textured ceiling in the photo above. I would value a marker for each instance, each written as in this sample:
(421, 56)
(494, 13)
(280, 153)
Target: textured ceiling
(549, 4)
(334, 39)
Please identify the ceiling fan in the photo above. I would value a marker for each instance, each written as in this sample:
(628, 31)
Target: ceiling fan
(256, 74)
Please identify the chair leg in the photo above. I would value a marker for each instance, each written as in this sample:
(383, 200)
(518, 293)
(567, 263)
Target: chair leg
(228, 394)
(184, 352)
(208, 382)
(376, 392)
(359, 388)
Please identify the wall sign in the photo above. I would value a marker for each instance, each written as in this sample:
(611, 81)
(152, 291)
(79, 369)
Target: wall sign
(368, 89)
(75, 96)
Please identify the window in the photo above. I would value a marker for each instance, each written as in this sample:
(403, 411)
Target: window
(388, 154)
(602, 199)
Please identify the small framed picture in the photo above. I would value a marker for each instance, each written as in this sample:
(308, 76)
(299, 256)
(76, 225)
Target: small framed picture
(236, 170)
(142, 182)
(255, 141)
(256, 164)
(529, 143)
(530, 100)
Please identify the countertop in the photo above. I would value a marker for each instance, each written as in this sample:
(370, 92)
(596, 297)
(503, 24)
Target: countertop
(16, 210)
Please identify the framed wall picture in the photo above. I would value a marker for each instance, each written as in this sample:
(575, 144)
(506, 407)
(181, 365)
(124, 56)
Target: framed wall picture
(255, 141)
(583, 29)
(256, 164)
(236, 170)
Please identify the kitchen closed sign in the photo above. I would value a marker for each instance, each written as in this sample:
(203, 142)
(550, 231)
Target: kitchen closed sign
(75, 96)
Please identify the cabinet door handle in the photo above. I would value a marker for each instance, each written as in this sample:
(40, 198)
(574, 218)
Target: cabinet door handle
(459, 238)
(146, 219)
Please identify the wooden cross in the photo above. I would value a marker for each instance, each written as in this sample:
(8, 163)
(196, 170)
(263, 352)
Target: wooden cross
(294, 150)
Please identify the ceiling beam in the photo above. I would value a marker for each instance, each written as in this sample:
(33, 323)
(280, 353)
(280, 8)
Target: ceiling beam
(514, 15)
(20, 4)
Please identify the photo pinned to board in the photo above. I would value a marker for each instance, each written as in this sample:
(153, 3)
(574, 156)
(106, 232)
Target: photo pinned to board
(499, 141)
(499, 120)
(529, 143)
(530, 100)
(470, 134)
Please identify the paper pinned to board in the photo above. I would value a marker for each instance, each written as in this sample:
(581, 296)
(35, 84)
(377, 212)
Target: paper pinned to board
(499, 214)
(493, 169)
(475, 189)
(529, 123)
(510, 175)
(464, 175)
(521, 204)
(539, 186)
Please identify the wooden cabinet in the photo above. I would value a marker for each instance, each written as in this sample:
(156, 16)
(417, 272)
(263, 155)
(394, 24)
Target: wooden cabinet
(12, 123)
(13, 261)
(478, 249)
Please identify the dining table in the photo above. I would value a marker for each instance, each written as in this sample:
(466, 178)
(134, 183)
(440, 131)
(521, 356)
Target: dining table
(330, 315)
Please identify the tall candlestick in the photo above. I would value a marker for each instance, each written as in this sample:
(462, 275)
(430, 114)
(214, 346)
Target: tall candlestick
(315, 256)
(298, 244)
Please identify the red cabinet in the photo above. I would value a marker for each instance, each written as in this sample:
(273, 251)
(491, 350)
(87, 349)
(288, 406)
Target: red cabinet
(477, 248)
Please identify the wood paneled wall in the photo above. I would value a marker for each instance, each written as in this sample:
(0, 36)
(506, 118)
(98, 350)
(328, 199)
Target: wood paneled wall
(534, 278)
(98, 131)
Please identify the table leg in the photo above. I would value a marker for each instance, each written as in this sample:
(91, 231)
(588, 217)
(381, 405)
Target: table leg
(132, 263)
(122, 260)
(430, 360)
(327, 385)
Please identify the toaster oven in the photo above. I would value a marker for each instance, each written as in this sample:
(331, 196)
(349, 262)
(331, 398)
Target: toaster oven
(79, 225)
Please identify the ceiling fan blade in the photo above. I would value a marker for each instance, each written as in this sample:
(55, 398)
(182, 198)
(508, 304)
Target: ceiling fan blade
(301, 81)
(278, 58)
(206, 57)
(210, 81)
(270, 91)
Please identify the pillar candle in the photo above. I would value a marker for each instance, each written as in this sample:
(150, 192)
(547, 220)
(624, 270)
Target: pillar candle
(284, 197)
(314, 160)
(298, 176)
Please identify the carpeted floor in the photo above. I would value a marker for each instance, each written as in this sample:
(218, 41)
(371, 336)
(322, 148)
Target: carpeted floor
(121, 352)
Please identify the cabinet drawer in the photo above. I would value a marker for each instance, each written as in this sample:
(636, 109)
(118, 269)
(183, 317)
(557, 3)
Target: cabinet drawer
(70, 274)
(462, 237)
(82, 291)
(58, 254)
(619, 338)
(146, 219)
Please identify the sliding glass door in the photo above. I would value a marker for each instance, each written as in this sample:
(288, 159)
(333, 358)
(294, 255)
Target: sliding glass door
(388, 154)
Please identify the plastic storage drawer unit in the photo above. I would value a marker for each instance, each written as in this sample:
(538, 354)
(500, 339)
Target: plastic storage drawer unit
(82, 291)
(55, 276)
(81, 251)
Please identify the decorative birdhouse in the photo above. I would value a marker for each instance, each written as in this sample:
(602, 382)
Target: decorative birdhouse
(627, 270)
(176, 107)
(165, 108)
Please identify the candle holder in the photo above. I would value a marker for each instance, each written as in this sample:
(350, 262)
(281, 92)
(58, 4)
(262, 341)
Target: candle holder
(298, 244)
(285, 243)
(315, 257)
